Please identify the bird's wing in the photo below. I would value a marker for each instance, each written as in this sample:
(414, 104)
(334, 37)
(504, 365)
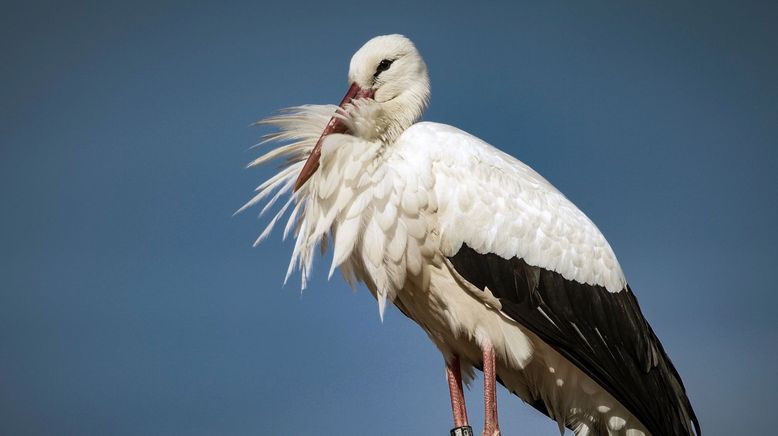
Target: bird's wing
(505, 228)
(496, 204)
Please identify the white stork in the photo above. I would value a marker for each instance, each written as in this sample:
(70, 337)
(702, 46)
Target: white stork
(502, 271)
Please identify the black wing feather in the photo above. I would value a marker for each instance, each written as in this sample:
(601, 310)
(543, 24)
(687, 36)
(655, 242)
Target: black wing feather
(603, 333)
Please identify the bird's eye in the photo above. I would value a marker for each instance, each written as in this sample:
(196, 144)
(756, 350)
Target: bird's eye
(383, 66)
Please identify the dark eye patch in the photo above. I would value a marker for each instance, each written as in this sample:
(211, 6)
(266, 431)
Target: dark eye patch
(383, 66)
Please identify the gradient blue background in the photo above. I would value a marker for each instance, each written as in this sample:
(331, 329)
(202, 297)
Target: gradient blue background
(132, 303)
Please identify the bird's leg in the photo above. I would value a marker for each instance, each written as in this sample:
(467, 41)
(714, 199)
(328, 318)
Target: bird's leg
(491, 426)
(458, 408)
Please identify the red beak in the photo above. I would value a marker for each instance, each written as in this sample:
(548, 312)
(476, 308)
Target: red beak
(335, 125)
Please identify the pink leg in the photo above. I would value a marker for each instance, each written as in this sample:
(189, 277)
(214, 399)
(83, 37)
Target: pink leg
(457, 395)
(491, 426)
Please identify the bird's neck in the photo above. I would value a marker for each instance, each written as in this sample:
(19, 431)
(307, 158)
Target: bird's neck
(385, 121)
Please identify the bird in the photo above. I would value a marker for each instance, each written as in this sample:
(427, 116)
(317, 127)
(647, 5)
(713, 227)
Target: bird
(500, 269)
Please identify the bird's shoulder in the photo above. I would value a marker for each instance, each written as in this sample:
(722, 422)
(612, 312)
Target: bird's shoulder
(455, 150)
(436, 136)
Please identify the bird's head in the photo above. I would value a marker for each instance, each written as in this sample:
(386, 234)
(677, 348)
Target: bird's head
(391, 70)
(388, 90)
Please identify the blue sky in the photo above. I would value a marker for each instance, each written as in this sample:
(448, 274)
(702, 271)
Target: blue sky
(131, 301)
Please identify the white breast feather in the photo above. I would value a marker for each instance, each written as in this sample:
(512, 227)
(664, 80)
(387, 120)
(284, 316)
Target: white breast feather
(373, 205)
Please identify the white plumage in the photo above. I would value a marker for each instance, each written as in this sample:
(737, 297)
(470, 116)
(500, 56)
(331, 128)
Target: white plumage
(400, 199)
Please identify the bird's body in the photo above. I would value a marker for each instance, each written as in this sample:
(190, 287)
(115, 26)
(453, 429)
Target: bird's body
(478, 249)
